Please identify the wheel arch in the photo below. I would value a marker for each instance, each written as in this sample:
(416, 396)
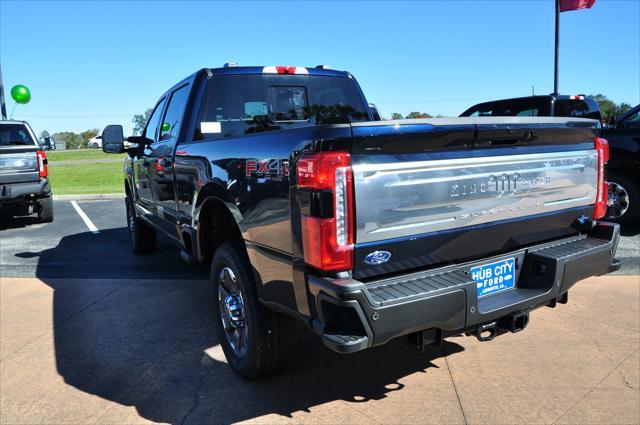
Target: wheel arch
(216, 220)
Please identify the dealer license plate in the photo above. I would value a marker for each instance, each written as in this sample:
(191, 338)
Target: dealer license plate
(494, 277)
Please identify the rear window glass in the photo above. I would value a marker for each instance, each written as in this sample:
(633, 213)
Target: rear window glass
(15, 135)
(234, 105)
(288, 104)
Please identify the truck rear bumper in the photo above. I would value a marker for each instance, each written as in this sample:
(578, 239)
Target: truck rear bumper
(352, 315)
(16, 192)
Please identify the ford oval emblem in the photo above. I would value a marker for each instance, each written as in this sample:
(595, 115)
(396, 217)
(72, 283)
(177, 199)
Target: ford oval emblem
(377, 257)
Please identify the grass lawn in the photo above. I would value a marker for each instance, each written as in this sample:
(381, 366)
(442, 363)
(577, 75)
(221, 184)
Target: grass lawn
(81, 154)
(89, 178)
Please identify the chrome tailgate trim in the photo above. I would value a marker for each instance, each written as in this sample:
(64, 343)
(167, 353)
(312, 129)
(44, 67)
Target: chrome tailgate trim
(402, 199)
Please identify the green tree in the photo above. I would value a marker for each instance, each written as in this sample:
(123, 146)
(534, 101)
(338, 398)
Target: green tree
(89, 134)
(140, 120)
(622, 108)
(415, 114)
(73, 140)
(609, 108)
(396, 116)
(44, 134)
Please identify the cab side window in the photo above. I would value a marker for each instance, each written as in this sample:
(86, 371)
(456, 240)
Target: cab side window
(154, 121)
(173, 117)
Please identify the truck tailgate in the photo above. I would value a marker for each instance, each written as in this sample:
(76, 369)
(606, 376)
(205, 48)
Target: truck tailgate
(18, 165)
(443, 191)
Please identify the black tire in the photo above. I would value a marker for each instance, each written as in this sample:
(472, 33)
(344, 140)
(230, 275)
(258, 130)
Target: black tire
(45, 210)
(141, 235)
(630, 185)
(270, 335)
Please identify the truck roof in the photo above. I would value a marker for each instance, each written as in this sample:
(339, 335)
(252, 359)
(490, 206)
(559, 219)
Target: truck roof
(12, 122)
(277, 69)
(259, 70)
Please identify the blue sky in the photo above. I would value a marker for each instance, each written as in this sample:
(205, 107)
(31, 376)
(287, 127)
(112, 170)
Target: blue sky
(93, 63)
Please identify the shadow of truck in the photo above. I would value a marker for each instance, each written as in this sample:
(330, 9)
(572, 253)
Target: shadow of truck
(134, 330)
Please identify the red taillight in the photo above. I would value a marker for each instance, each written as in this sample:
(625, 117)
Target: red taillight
(602, 148)
(43, 169)
(328, 241)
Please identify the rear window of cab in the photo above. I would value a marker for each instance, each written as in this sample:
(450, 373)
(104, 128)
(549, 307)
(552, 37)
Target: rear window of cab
(15, 135)
(235, 105)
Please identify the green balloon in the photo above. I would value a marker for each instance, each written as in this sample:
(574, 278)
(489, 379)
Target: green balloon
(166, 126)
(21, 94)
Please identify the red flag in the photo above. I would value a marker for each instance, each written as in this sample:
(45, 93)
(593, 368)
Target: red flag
(567, 5)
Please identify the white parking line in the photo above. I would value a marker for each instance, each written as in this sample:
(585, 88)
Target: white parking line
(85, 218)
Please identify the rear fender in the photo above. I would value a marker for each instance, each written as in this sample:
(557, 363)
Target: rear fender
(209, 194)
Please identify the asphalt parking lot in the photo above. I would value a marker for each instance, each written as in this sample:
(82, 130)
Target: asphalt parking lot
(91, 334)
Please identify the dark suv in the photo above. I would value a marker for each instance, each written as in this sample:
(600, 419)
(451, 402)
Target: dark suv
(24, 182)
(579, 106)
(623, 135)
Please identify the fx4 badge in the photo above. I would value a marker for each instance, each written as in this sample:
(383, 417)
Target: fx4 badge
(269, 168)
(377, 257)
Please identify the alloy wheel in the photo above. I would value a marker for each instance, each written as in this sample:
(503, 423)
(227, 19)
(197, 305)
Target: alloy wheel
(617, 201)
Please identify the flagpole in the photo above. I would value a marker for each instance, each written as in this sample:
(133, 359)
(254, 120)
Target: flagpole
(557, 49)
(3, 107)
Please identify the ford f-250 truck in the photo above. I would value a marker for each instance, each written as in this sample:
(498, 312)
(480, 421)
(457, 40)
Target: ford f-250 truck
(364, 230)
(24, 173)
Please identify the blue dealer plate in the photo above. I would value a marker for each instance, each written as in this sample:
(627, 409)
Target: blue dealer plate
(494, 277)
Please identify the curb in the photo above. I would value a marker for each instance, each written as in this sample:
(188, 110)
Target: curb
(90, 197)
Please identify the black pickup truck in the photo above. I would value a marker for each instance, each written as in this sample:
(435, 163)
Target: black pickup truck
(24, 180)
(364, 230)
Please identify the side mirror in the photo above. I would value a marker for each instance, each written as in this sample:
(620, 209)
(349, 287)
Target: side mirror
(113, 139)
